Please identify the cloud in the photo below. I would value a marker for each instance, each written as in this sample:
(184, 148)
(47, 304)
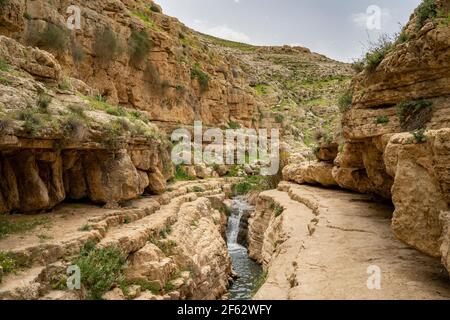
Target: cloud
(221, 31)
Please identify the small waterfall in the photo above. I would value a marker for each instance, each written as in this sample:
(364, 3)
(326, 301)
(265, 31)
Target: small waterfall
(247, 270)
(239, 207)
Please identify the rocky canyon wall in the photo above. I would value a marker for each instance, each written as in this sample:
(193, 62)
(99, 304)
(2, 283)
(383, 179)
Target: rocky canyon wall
(397, 134)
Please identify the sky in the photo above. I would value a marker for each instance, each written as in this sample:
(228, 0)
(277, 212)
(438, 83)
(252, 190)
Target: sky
(339, 29)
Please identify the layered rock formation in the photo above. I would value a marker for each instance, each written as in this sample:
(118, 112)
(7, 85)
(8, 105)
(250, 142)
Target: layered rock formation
(137, 57)
(396, 134)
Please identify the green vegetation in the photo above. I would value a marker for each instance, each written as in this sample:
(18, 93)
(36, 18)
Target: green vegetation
(8, 263)
(279, 118)
(414, 114)
(166, 246)
(54, 37)
(259, 282)
(85, 228)
(181, 175)
(262, 89)
(78, 54)
(5, 82)
(377, 52)
(201, 76)
(231, 44)
(425, 11)
(242, 188)
(101, 269)
(345, 101)
(382, 120)
(419, 136)
(198, 189)
(145, 17)
(44, 100)
(155, 8)
(4, 66)
(277, 209)
(9, 226)
(106, 46)
(144, 284)
(233, 125)
(139, 46)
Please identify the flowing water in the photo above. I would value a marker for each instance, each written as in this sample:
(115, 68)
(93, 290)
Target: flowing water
(248, 271)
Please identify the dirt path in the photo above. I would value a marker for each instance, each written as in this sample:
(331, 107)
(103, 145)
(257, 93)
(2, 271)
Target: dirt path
(327, 255)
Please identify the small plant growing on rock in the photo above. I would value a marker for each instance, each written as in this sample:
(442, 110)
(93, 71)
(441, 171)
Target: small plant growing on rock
(345, 101)
(414, 114)
(101, 269)
(279, 118)
(425, 11)
(54, 37)
(201, 76)
(4, 66)
(419, 136)
(44, 100)
(106, 45)
(377, 53)
(85, 228)
(139, 46)
(234, 125)
(382, 120)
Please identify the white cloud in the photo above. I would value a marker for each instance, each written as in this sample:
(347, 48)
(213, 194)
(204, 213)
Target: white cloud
(221, 31)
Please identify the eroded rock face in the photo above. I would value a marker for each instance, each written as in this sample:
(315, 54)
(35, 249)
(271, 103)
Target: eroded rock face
(411, 168)
(310, 172)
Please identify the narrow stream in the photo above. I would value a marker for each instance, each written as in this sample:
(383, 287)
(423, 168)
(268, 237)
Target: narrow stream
(248, 271)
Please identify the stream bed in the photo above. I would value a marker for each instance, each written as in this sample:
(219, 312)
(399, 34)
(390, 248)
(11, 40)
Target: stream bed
(248, 271)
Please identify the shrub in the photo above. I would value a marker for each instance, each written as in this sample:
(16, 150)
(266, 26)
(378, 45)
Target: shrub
(117, 111)
(44, 100)
(78, 54)
(139, 46)
(414, 114)
(358, 66)
(377, 52)
(180, 174)
(100, 269)
(155, 8)
(5, 124)
(32, 121)
(106, 46)
(279, 118)
(4, 66)
(7, 263)
(345, 101)
(278, 210)
(53, 37)
(419, 136)
(382, 120)
(426, 10)
(242, 188)
(234, 125)
(201, 76)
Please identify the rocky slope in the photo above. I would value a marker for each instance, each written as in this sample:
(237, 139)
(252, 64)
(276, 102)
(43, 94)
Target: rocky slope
(396, 132)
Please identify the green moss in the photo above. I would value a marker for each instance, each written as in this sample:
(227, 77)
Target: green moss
(233, 125)
(259, 282)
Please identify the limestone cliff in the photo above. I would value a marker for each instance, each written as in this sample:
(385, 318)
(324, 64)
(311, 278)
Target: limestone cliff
(397, 131)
